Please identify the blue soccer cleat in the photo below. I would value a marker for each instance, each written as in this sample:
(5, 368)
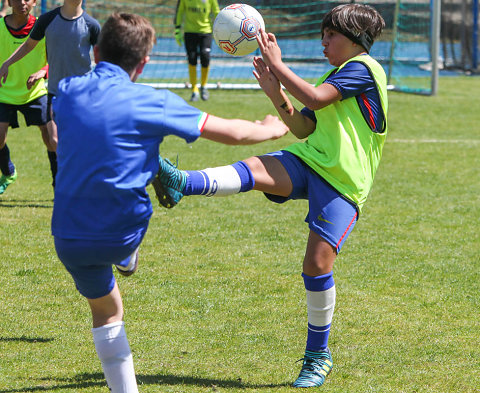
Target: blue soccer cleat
(5, 181)
(169, 183)
(316, 366)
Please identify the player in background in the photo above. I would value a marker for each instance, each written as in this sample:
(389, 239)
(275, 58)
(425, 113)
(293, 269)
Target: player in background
(344, 121)
(69, 33)
(197, 18)
(25, 90)
(109, 131)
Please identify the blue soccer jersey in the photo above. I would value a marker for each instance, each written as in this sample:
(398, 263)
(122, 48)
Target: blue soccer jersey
(109, 132)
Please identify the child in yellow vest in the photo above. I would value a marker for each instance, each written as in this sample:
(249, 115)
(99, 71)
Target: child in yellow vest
(344, 121)
(25, 90)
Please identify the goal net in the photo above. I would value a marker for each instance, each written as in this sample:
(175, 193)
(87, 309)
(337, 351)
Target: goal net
(406, 48)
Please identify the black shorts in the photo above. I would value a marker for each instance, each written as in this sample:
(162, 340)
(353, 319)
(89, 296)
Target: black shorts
(197, 44)
(35, 112)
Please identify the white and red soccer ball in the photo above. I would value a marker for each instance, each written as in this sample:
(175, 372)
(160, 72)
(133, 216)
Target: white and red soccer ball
(235, 29)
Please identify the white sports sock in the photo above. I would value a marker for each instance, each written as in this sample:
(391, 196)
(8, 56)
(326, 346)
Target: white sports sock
(224, 180)
(114, 353)
(320, 306)
(131, 262)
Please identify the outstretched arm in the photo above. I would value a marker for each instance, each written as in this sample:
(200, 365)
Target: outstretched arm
(301, 126)
(21, 52)
(243, 132)
(312, 97)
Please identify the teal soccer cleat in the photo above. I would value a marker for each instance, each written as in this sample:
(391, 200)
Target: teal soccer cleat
(169, 183)
(316, 366)
(5, 181)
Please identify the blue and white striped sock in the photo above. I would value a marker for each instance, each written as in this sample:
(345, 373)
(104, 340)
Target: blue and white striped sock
(220, 181)
(320, 306)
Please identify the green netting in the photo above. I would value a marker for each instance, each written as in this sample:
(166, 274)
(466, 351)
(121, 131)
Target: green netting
(404, 48)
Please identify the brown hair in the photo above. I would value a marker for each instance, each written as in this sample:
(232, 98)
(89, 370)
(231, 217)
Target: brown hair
(125, 40)
(359, 22)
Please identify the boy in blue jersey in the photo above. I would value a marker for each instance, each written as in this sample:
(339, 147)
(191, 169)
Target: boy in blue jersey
(344, 120)
(70, 33)
(109, 132)
(25, 90)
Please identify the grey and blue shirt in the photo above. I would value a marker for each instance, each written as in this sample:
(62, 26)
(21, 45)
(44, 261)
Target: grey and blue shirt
(68, 43)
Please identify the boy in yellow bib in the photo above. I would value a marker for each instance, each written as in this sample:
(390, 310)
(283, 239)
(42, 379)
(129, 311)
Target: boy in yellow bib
(344, 121)
(25, 90)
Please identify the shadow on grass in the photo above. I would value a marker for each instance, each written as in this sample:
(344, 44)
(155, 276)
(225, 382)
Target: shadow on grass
(26, 339)
(12, 203)
(202, 382)
(87, 380)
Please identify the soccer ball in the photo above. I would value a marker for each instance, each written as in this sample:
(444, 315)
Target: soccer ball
(235, 29)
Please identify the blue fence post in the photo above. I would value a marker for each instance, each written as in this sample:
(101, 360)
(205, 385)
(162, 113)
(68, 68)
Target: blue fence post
(475, 35)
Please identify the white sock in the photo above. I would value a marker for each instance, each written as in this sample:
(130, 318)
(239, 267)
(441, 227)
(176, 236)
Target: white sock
(320, 306)
(131, 263)
(224, 180)
(114, 353)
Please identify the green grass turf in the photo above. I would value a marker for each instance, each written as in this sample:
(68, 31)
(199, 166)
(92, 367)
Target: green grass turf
(218, 303)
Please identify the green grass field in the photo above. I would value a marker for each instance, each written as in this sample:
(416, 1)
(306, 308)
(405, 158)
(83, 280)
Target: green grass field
(218, 303)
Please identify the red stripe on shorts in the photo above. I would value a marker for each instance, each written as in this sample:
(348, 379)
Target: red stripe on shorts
(346, 230)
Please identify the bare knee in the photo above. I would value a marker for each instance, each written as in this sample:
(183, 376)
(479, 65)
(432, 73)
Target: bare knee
(270, 175)
(107, 309)
(319, 256)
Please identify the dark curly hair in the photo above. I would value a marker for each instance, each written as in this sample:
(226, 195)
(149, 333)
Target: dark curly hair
(359, 22)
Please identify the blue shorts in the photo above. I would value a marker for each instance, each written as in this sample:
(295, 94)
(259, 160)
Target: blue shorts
(330, 214)
(90, 261)
(35, 112)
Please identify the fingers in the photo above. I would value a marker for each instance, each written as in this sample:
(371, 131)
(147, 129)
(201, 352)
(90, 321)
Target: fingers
(259, 65)
(32, 79)
(262, 39)
(272, 38)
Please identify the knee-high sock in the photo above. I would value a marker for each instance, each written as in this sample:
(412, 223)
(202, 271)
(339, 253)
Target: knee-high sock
(192, 73)
(220, 181)
(204, 75)
(113, 350)
(6, 165)
(320, 306)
